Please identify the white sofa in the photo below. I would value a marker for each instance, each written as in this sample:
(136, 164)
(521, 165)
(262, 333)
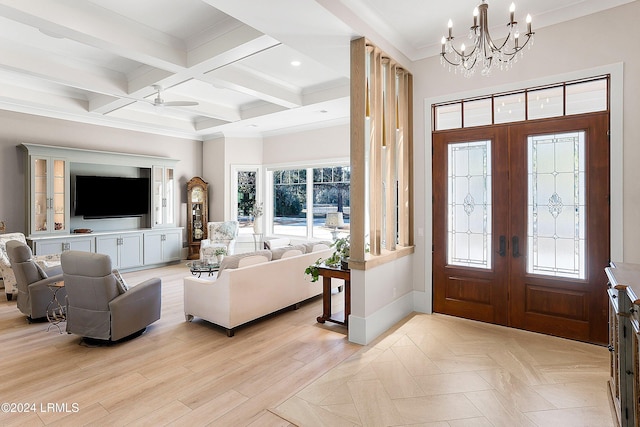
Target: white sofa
(239, 295)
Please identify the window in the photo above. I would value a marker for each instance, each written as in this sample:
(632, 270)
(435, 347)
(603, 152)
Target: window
(310, 202)
(246, 185)
(330, 201)
(562, 99)
(289, 202)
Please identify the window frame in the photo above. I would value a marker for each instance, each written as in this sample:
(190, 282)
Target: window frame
(234, 186)
(270, 196)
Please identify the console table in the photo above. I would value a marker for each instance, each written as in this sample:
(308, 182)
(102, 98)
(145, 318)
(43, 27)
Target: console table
(624, 341)
(327, 274)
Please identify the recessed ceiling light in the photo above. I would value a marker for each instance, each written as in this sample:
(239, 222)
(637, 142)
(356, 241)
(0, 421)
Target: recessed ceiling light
(296, 63)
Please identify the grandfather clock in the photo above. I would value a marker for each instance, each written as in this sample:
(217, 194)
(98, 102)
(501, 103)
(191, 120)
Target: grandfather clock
(197, 215)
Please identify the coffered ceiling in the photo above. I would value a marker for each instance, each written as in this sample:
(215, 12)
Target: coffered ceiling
(252, 66)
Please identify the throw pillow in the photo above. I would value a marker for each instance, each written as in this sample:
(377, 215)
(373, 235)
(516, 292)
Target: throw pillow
(41, 272)
(232, 261)
(122, 285)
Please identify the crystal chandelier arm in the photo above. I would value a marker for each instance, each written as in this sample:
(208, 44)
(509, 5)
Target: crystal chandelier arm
(509, 55)
(458, 54)
(457, 64)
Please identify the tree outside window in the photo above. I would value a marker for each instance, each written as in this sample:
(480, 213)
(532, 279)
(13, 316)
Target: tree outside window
(295, 210)
(289, 202)
(246, 181)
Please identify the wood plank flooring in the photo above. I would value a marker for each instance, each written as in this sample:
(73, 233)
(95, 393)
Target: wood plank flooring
(176, 373)
(289, 370)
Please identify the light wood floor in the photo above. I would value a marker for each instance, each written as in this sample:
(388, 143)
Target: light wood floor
(429, 370)
(441, 371)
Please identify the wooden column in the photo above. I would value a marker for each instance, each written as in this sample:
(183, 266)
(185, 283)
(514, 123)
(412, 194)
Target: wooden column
(382, 160)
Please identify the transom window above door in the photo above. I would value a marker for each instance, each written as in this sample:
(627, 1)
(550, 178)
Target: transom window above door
(562, 99)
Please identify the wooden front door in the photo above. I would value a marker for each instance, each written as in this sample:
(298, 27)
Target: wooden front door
(521, 225)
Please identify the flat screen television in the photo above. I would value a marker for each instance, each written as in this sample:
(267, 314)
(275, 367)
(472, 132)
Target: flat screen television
(110, 197)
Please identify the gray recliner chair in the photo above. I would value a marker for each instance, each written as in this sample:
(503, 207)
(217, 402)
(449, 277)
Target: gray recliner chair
(34, 297)
(99, 305)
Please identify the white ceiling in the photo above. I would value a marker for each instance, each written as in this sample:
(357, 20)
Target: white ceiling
(95, 61)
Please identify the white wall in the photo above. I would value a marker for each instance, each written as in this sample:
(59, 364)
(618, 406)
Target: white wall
(307, 146)
(213, 167)
(218, 156)
(16, 128)
(587, 45)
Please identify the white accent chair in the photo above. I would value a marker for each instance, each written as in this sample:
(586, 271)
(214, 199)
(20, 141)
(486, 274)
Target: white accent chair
(6, 272)
(220, 234)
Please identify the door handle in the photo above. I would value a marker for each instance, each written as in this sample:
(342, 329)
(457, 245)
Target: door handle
(502, 251)
(515, 247)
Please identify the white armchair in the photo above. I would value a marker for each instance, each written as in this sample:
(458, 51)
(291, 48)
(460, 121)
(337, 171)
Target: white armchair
(8, 277)
(220, 234)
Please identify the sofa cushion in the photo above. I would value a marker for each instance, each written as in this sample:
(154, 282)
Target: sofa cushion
(232, 261)
(252, 260)
(317, 246)
(289, 251)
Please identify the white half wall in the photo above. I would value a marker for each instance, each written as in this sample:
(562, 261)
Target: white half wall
(380, 297)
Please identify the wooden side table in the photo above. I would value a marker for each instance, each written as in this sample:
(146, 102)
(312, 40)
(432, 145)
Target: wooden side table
(327, 274)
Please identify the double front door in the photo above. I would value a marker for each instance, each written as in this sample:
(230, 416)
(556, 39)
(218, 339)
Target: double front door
(521, 225)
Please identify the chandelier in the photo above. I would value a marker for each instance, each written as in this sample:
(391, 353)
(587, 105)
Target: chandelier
(485, 53)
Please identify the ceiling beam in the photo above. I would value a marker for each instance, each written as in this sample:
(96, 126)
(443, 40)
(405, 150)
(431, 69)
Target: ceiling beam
(91, 25)
(29, 61)
(240, 80)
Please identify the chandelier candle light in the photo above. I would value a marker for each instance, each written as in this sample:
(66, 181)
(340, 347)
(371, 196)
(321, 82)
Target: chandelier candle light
(485, 53)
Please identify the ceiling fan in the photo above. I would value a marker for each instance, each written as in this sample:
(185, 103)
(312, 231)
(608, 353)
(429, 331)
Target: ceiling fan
(159, 102)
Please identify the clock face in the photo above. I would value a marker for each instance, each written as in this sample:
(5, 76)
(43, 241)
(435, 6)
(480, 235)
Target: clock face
(197, 195)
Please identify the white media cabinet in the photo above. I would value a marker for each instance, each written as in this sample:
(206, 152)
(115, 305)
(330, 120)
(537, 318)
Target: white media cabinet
(130, 249)
(132, 243)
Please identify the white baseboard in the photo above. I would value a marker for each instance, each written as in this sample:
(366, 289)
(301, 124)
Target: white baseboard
(364, 330)
(423, 302)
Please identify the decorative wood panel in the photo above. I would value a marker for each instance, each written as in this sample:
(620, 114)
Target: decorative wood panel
(557, 302)
(381, 156)
(468, 290)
